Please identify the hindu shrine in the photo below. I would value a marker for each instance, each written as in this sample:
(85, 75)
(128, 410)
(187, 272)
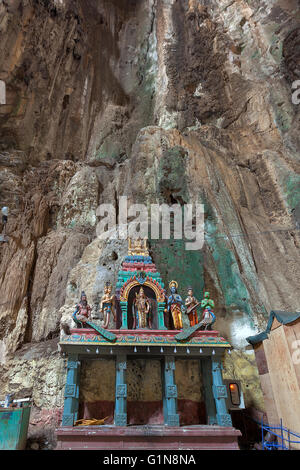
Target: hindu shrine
(146, 323)
(172, 106)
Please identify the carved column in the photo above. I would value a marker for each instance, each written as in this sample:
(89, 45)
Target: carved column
(160, 315)
(123, 306)
(220, 393)
(206, 374)
(121, 391)
(71, 401)
(171, 417)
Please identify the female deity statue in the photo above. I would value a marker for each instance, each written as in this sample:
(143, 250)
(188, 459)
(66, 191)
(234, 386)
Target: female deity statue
(141, 310)
(175, 305)
(107, 305)
(83, 311)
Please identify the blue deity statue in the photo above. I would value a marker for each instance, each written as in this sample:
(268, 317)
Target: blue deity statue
(175, 305)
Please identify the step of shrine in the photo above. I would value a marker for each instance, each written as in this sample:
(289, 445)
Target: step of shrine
(156, 437)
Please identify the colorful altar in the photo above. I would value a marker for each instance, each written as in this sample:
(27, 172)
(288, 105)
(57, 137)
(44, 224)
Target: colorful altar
(141, 303)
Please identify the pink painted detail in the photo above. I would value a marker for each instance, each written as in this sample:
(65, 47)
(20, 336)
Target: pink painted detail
(146, 338)
(136, 269)
(145, 267)
(171, 333)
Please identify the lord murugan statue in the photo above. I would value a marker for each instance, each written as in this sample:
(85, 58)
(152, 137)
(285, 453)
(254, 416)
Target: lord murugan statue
(175, 305)
(191, 304)
(82, 313)
(141, 311)
(107, 305)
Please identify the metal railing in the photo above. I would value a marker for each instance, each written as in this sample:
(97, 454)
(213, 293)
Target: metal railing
(280, 437)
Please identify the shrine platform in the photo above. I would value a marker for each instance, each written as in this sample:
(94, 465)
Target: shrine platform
(156, 437)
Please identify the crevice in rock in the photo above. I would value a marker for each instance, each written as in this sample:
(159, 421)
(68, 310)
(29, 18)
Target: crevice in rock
(28, 330)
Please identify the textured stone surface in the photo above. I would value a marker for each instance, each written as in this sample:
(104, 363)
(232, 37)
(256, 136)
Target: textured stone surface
(97, 380)
(37, 371)
(241, 365)
(162, 101)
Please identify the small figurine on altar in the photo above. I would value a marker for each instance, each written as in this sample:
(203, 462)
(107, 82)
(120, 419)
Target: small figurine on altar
(191, 304)
(141, 311)
(207, 302)
(107, 305)
(175, 305)
(83, 311)
(208, 316)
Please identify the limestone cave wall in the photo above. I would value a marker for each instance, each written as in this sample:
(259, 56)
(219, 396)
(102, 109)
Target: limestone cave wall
(169, 101)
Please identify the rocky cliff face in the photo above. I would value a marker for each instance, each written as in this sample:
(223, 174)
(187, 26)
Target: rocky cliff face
(170, 101)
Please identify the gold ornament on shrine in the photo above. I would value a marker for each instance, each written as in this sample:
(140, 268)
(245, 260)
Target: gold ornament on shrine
(137, 246)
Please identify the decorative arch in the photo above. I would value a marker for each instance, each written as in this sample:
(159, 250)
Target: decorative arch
(149, 281)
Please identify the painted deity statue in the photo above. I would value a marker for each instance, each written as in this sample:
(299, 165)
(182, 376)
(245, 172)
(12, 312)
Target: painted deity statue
(138, 246)
(175, 305)
(208, 316)
(207, 302)
(191, 304)
(107, 305)
(141, 311)
(82, 313)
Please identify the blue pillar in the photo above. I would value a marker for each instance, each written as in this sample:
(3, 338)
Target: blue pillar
(206, 375)
(160, 315)
(171, 417)
(71, 400)
(121, 391)
(220, 393)
(123, 306)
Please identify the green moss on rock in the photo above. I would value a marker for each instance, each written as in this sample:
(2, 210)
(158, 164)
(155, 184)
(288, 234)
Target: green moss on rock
(175, 262)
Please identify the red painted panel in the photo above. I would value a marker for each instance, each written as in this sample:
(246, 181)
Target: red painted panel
(97, 410)
(150, 438)
(145, 412)
(191, 412)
